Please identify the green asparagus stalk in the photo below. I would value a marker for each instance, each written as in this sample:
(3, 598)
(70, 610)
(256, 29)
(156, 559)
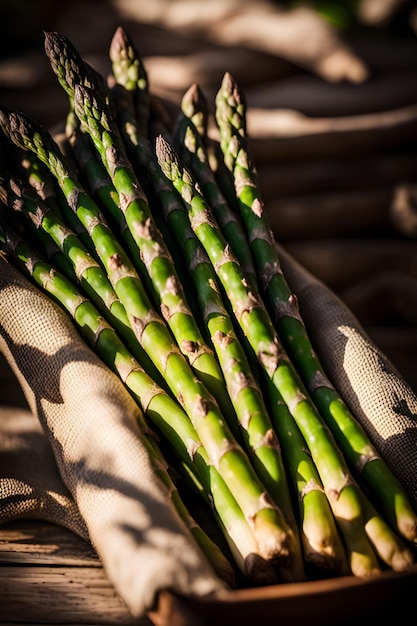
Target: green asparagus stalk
(132, 105)
(139, 149)
(36, 175)
(99, 184)
(223, 451)
(97, 121)
(105, 342)
(255, 426)
(129, 71)
(321, 540)
(350, 435)
(194, 106)
(154, 252)
(209, 548)
(65, 67)
(389, 545)
(322, 544)
(88, 272)
(66, 63)
(161, 409)
(71, 69)
(239, 379)
(340, 486)
(191, 150)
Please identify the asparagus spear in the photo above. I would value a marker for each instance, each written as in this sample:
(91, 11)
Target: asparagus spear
(38, 177)
(209, 548)
(97, 121)
(70, 70)
(66, 63)
(191, 150)
(389, 545)
(100, 186)
(154, 252)
(222, 449)
(138, 149)
(105, 342)
(129, 71)
(321, 540)
(246, 396)
(127, 124)
(89, 273)
(55, 45)
(350, 435)
(341, 489)
(194, 105)
(259, 438)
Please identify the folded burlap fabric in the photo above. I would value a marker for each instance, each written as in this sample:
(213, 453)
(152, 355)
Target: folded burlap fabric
(30, 483)
(90, 423)
(99, 474)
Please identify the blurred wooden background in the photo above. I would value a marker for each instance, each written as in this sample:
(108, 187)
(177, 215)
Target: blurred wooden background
(332, 96)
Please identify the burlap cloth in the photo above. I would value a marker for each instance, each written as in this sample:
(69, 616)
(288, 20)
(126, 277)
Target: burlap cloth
(89, 420)
(77, 459)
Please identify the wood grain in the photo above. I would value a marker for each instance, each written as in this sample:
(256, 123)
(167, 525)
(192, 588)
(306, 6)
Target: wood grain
(49, 575)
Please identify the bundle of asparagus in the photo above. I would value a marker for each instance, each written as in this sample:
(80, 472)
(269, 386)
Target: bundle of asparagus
(154, 239)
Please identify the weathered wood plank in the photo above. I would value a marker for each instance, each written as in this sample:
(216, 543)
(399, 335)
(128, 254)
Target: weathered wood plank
(55, 594)
(48, 575)
(41, 543)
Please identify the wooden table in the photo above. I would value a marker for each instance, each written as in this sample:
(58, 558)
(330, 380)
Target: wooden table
(48, 575)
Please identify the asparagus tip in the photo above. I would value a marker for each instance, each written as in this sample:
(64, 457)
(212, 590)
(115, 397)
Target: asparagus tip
(16, 126)
(228, 82)
(194, 103)
(119, 42)
(166, 154)
(54, 42)
(193, 96)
